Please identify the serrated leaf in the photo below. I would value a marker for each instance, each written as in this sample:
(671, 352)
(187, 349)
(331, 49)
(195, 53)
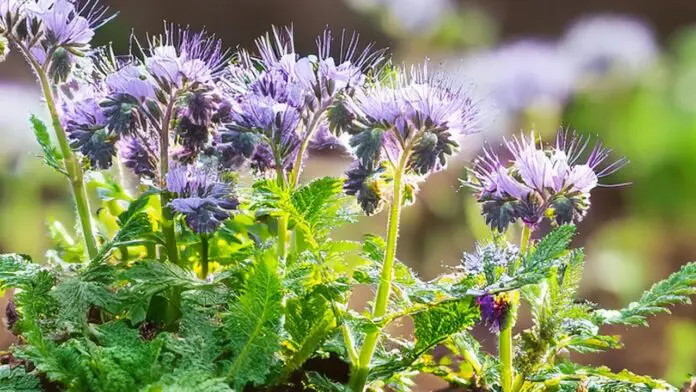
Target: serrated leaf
(75, 296)
(52, 157)
(309, 321)
(134, 225)
(18, 380)
(676, 289)
(314, 209)
(16, 271)
(437, 324)
(253, 325)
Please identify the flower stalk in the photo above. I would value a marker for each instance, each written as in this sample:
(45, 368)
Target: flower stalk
(359, 375)
(168, 229)
(505, 341)
(73, 168)
(205, 250)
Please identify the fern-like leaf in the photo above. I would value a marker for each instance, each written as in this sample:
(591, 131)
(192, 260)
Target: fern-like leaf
(253, 325)
(676, 289)
(51, 156)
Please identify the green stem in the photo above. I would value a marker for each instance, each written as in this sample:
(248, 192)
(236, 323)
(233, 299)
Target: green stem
(505, 342)
(359, 375)
(73, 168)
(168, 229)
(297, 165)
(204, 256)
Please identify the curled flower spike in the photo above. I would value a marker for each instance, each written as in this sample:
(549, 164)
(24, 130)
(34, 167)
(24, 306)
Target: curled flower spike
(288, 100)
(418, 114)
(495, 311)
(201, 197)
(140, 155)
(540, 181)
(489, 256)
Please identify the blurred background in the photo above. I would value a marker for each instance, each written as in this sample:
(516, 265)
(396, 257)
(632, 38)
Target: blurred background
(624, 70)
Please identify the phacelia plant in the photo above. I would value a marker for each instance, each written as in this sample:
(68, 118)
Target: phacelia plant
(210, 262)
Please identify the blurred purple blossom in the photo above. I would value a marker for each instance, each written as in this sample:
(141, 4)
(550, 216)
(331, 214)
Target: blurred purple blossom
(603, 43)
(522, 74)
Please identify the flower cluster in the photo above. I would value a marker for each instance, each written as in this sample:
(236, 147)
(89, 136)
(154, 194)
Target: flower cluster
(279, 100)
(203, 199)
(490, 256)
(413, 122)
(55, 34)
(539, 181)
(167, 96)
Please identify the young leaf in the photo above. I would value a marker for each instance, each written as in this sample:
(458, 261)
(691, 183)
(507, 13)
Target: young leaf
(52, 157)
(676, 289)
(253, 325)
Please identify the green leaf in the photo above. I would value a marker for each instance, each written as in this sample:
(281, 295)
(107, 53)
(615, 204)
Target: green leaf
(437, 324)
(676, 289)
(319, 383)
(314, 209)
(17, 271)
(544, 257)
(309, 321)
(52, 157)
(75, 296)
(253, 324)
(134, 225)
(17, 380)
(567, 376)
(150, 277)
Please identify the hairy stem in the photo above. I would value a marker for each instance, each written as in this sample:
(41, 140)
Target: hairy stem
(168, 229)
(359, 375)
(505, 343)
(73, 168)
(204, 256)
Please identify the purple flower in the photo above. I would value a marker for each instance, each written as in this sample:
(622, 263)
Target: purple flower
(140, 154)
(495, 311)
(604, 43)
(179, 56)
(364, 182)
(201, 197)
(131, 80)
(275, 128)
(522, 74)
(539, 181)
(86, 125)
(11, 314)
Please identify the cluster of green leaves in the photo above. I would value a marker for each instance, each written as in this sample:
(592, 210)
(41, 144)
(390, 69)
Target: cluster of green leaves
(548, 277)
